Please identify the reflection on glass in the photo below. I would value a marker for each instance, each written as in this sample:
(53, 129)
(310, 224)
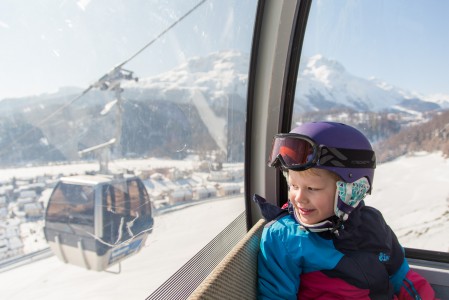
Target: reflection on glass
(150, 90)
(379, 66)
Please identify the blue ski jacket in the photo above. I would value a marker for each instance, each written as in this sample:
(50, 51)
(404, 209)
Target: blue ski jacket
(363, 261)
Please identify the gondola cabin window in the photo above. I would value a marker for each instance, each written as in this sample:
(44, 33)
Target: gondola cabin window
(380, 67)
(119, 191)
(156, 90)
(73, 205)
(136, 200)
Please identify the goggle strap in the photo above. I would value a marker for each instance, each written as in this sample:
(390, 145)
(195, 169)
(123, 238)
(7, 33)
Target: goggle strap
(347, 158)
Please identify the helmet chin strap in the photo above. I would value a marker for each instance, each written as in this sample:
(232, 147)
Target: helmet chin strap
(347, 198)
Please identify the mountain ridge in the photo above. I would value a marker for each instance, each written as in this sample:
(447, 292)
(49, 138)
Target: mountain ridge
(194, 100)
(320, 80)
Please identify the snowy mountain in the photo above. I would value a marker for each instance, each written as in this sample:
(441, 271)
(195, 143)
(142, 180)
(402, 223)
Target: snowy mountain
(324, 84)
(190, 104)
(217, 76)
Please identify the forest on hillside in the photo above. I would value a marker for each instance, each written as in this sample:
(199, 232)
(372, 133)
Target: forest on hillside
(376, 126)
(430, 136)
(393, 134)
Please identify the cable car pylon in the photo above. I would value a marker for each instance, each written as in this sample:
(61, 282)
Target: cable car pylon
(111, 82)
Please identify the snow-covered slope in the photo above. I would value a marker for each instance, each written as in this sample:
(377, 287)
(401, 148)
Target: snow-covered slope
(414, 203)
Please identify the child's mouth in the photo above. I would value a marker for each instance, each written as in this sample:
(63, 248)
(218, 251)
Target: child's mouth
(305, 211)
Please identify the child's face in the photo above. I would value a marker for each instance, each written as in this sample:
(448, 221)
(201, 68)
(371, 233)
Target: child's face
(312, 194)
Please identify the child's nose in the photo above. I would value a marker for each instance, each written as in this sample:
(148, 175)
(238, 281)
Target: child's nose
(298, 196)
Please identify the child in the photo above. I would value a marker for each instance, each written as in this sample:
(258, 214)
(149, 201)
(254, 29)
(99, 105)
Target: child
(326, 244)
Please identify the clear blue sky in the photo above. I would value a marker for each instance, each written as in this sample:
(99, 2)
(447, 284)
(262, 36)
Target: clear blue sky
(405, 43)
(47, 44)
(51, 43)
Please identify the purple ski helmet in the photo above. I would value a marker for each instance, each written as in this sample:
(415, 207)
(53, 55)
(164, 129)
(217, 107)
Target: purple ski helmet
(332, 146)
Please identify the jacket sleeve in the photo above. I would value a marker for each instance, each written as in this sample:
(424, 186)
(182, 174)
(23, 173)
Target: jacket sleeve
(408, 284)
(414, 286)
(278, 273)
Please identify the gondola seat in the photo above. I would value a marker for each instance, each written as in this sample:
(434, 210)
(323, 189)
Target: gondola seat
(235, 277)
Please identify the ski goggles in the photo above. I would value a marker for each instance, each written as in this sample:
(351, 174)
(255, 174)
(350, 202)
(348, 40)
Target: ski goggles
(298, 152)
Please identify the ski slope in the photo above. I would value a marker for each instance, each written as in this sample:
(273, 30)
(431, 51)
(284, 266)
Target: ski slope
(412, 192)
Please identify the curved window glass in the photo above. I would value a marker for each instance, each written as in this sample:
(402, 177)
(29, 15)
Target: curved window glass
(381, 67)
(152, 89)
